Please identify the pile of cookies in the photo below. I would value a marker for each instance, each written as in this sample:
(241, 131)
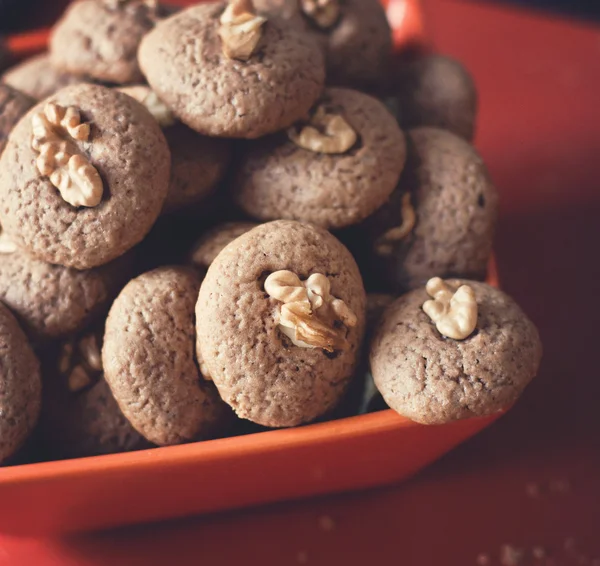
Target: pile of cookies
(242, 212)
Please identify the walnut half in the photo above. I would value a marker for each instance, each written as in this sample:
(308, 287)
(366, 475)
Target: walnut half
(384, 245)
(146, 96)
(241, 29)
(325, 13)
(454, 312)
(326, 132)
(55, 133)
(309, 312)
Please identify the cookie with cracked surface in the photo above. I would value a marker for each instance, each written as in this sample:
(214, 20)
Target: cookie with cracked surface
(210, 245)
(198, 163)
(279, 178)
(52, 301)
(13, 104)
(280, 350)
(100, 38)
(184, 62)
(38, 78)
(149, 362)
(80, 416)
(451, 228)
(20, 384)
(437, 91)
(124, 158)
(432, 379)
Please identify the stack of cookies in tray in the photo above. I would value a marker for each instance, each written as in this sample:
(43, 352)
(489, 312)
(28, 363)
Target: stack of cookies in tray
(242, 212)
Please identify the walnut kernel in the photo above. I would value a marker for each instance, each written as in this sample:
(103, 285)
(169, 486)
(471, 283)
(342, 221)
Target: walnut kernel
(385, 242)
(146, 96)
(55, 131)
(326, 132)
(241, 29)
(309, 311)
(454, 312)
(325, 13)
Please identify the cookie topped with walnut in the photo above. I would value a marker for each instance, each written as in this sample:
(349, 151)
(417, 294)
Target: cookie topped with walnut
(226, 71)
(100, 38)
(83, 177)
(279, 319)
(333, 170)
(453, 349)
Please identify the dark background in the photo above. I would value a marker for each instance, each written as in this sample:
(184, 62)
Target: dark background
(20, 14)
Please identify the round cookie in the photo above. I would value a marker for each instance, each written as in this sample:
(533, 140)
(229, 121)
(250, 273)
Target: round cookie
(278, 178)
(198, 163)
(149, 362)
(277, 358)
(52, 301)
(433, 379)
(80, 416)
(100, 38)
(117, 180)
(210, 245)
(447, 203)
(439, 92)
(358, 45)
(20, 385)
(38, 78)
(216, 95)
(13, 104)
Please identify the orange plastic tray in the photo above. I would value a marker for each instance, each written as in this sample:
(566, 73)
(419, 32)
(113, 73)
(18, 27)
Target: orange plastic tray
(340, 455)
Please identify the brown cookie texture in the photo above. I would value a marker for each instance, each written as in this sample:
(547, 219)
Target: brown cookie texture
(52, 301)
(149, 363)
(129, 151)
(20, 385)
(100, 38)
(432, 379)
(257, 369)
(210, 245)
(358, 46)
(456, 207)
(279, 179)
(13, 104)
(198, 164)
(437, 91)
(183, 61)
(38, 78)
(80, 416)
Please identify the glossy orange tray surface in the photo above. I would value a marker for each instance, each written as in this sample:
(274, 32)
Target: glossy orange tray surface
(340, 455)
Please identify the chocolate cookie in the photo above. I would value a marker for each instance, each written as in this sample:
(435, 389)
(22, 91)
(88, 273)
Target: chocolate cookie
(357, 39)
(52, 301)
(83, 177)
(228, 87)
(333, 171)
(210, 245)
(80, 416)
(198, 163)
(100, 38)
(13, 104)
(439, 221)
(279, 319)
(38, 78)
(20, 385)
(437, 91)
(431, 378)
(149, 363)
